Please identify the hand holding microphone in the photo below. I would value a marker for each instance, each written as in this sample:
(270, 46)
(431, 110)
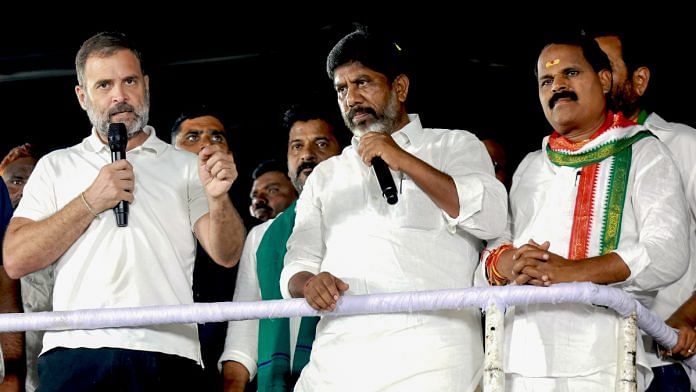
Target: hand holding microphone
(376, 149)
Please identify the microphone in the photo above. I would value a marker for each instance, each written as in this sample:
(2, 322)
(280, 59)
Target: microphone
(385, 179)
(118, 139)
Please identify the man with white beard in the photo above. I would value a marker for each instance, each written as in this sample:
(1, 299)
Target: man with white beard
(348, 240)
(65, 218)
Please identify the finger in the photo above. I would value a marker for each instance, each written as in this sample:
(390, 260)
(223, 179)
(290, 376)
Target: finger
(681, 343)
(533, 272)
(522, 279)
(328, 291)
(537, 282)
(315, 299)
(341, 285)
(536, 254)
(519, 265)
(126, 185)
(519, 251)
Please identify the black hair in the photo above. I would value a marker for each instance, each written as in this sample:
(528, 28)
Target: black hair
(195, 111)
(373, 50)
(104, 44)
(315, 109)
(270, 165)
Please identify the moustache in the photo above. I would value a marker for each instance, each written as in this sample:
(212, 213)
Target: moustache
(561, 95)
(358, 110)
(306, 165)
(120, 108)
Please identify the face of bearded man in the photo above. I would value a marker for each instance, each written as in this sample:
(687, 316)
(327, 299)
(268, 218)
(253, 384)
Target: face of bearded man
(381, 120)
(101, 119)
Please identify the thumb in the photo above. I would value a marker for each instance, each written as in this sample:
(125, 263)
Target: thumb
(341, 285)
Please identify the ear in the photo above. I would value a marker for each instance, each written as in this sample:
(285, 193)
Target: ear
(401, 83)
(605, 79)
(81, 96)
(640, 80)
(146, 78)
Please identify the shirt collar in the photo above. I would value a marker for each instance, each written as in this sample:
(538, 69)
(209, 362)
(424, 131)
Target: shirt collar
(94, 144)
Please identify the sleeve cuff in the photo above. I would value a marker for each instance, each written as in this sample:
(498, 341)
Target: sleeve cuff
(636, 260)
(289, 271)
(238, 356)
(470, 201)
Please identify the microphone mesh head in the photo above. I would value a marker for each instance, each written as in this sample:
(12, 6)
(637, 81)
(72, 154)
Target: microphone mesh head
(118, 136)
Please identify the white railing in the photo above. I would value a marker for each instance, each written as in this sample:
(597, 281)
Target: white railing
(493, 299)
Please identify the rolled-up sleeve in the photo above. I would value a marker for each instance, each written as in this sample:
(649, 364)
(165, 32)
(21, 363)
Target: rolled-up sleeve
(482, 198)
(660, 253)
(305, 245)
(241, 343)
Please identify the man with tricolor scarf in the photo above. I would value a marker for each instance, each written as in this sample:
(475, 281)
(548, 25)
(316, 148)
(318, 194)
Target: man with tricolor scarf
(600, 202)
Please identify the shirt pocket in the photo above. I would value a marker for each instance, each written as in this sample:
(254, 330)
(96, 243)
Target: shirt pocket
(415, 209)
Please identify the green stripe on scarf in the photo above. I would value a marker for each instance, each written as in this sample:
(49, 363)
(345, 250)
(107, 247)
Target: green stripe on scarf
(274, 371)
(596, 154)
(618, 181)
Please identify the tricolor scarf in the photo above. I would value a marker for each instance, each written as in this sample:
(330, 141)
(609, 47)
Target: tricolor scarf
(605, 162)
(274, 371)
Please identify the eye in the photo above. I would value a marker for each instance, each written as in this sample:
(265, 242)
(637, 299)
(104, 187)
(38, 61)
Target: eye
(545, 82)
(102, 85)
(217, 139)
(273, 190)
(296, 146)
(362, 83)
(192, 137)
(17, 182)
(341, 90)
(322, 144)
(573, 72)
(129, 81)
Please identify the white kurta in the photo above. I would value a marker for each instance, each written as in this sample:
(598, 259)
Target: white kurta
(574, 340)
(681, 141)
(344, 226)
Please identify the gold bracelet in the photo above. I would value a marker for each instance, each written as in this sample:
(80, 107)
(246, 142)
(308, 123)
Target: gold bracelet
(89, 208)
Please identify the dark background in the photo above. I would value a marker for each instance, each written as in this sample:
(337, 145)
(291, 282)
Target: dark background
(471, 70)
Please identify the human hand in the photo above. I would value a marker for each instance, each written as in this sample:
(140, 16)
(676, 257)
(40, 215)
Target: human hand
(322, 291)
(217, 170)
(115, 182)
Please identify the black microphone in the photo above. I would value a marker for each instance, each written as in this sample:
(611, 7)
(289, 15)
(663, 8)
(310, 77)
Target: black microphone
(385, 179)
(118, 139)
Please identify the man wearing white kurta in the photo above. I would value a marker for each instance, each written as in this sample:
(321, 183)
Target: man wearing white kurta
(630, 82)
(602, 202)
(347, 239)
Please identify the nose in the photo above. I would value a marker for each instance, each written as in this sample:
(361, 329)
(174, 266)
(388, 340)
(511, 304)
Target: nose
(560, 83)
(118, 94)
(308, 153)
(205, 141)
(259, 200)
(353, 97)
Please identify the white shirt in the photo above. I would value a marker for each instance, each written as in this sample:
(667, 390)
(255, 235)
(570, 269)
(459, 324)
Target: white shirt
(149, 262)
(681, 141)
(242, 341)
(549, 340)
(344, 226)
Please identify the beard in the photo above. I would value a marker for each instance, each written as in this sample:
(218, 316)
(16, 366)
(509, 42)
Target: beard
(383, 123)
(624, 100)
(101, 120)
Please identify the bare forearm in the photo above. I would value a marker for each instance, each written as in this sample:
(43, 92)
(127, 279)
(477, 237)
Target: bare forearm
(606, 269)
(226, 232)
(235, 375)
(685, 315)
(437, 185)
(12, 342)
(30, 246)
